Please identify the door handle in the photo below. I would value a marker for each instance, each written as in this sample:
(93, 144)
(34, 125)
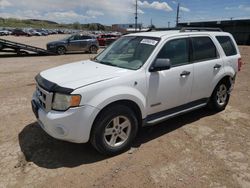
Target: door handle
(217, 66)
(185, 74)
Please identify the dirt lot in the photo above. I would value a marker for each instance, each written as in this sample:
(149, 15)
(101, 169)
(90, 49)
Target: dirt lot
(198, 149)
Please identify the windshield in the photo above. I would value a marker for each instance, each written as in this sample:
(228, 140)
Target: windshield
(130, 52)
(69, 37)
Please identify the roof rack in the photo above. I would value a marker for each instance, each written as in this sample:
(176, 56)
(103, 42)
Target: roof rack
(185, 29)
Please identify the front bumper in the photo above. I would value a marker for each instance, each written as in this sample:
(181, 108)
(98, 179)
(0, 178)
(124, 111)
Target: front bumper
(51, 48)
(73, 125)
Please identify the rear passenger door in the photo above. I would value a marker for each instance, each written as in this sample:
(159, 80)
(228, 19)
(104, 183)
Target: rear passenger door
(207, 67)
(84, 43)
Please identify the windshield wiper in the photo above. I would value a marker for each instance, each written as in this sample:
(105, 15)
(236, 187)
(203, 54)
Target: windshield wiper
(108, 63)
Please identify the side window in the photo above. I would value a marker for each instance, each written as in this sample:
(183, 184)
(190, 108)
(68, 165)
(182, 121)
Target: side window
(227, 45)
(203, 49)
(85, 37)
(176, 50)
(75, 37)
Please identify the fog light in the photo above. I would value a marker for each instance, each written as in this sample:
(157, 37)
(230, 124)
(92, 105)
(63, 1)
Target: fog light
(60, 131)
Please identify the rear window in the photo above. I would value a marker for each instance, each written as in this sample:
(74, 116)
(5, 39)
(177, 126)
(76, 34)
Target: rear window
(203, 49)
(227, 45)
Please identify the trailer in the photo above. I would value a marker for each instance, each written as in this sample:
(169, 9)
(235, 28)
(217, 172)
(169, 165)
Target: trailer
(21, 49)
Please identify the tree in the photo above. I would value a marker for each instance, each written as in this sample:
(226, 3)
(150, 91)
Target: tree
(76, 25)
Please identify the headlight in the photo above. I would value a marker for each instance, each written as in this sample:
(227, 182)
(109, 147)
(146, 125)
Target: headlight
(63, 102)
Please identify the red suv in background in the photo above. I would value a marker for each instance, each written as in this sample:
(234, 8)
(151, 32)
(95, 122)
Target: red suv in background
(107, 39)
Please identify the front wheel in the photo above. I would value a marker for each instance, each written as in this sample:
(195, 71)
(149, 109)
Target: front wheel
(220, 97)
(114, 130)
(61, 50)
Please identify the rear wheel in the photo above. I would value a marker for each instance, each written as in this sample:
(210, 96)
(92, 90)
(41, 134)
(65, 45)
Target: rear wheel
(61, 50)
(220, 96)
(93, 49)
(114, 130)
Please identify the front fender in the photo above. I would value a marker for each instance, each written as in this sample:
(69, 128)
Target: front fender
(114, 94)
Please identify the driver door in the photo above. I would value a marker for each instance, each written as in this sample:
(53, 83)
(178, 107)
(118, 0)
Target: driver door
(171, 88)
(73, 43)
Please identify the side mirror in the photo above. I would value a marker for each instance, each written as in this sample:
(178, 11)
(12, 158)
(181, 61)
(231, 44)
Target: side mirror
(160, 64)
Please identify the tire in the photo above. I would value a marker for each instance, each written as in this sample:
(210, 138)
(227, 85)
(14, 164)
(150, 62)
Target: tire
(114, 130)
(93, 49)
(220, 97)
(61, 50)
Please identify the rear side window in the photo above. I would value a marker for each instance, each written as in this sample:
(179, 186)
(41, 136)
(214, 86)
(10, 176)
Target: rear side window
(227, 45)
(203, 49)
(177, 51)
(86, 37)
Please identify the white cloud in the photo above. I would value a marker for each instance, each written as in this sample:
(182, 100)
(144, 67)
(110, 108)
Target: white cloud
(94, 13)
(155, 5)
(140, 11)
(229, 8)
(245, 8)
(65, 17)
(4, 4)
(240, 7)
(27, 14)
(184, 9)
(119, 10)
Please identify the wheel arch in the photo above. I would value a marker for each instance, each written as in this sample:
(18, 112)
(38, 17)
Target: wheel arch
(128, 103)
(94, 45)
(228, 78)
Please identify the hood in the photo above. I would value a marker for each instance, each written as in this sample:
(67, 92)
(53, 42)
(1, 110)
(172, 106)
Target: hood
(81, 74)
(57, 42)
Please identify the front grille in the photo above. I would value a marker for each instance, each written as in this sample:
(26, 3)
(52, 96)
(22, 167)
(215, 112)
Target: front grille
(44, 98)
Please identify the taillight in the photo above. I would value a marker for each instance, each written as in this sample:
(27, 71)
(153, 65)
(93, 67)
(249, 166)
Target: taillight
(239, 64)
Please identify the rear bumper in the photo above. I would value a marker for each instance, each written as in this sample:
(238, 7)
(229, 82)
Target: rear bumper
(73, 125)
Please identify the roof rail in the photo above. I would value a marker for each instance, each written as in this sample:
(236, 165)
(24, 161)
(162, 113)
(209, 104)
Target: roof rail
(185, 29)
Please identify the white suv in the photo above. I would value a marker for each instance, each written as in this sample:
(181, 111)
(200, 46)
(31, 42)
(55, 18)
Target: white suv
(141, 79)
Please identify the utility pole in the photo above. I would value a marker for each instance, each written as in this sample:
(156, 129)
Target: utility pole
(177, 15)
(151, 22)
(136, 14)
(168, 24)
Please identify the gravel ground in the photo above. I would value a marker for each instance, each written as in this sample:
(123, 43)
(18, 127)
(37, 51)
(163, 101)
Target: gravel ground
(199, 149)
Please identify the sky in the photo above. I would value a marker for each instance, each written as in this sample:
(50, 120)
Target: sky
(110, 12)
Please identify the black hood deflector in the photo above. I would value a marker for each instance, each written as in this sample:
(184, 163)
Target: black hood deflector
(51, 86)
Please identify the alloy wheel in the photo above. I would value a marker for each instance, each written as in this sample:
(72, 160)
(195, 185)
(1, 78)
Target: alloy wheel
(117, 131)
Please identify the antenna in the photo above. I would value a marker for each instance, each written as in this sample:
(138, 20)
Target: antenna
(136, 14)
(177, 15)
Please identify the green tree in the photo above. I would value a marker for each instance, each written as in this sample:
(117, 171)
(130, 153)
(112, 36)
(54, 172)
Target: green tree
(76, 25)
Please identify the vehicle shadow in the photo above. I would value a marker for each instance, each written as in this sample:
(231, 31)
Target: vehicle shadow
(149, 133)
(47, 152)
(43, 150)
(10, 55)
